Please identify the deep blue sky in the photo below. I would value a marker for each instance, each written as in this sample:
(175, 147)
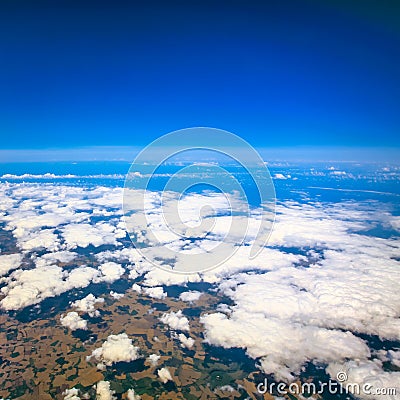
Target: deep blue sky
(278, 73)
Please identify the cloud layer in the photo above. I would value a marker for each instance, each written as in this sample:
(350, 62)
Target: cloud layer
(323, 281)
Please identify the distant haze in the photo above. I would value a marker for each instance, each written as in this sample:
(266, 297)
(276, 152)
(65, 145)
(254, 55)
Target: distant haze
(125, 153)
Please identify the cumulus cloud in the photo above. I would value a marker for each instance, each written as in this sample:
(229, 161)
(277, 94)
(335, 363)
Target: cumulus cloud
(116, 295)
(175, 320)
(394, 357)
(186, 341)
(63, 256)
(103, 391)
(281, 176)
(32, 219)
(137, 288)
(190, 296)
(83, 235)
(156, 277)
(115, 349)
(71, 394)
(226, 388)
(304, 305)
(283, 347)
(73, 321)
(202, 217)
(81, 277)
(44, 238)
(9, 262)
(27, 287)
(87, 304)
(366, 374)
(153, 359)
(155, 292)
(164, 375)
(312, 309)
(110, 272)
(131, 395)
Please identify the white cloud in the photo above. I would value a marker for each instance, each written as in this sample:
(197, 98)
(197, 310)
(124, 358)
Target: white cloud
(137, 288)
(9, 262)
(111, 272)
(368, 376)
(71, 394)
(344, 282)
(73, 321)
(156, 277)
(164, 375)
(47, 175)
(155, 292)
(27, 287)
(394, 357)
(190, 296)
(87, 304)
(61, 256)
(51, 176)
(131, 395)
(103, 391)
(186, 341)
(81, 277)
(193, 216)
(226, 388)
(83, 235)
(175, 320)
(116, 348)
(44, 238)
(282, 346)
(116, 295)
(288, 314)
(153, 359)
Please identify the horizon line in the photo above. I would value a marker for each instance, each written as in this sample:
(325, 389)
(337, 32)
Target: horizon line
(276, 153)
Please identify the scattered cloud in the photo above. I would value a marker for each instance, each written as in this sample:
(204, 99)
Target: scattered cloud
(366, 376)
(116, 295)
(83, 235)
(153, 359)
(73, 321)
(155, 292)
(8, 262)
(110, 272)
(164, 375)
(175, 320)
(26, 287)
(137, 288)
(71, 394)
(87, 304)
(190, 296)
(131, 395)
(186, 341)
(116, 348)
(104, 392)
(312, 309)
(281, 176)
(322, 281)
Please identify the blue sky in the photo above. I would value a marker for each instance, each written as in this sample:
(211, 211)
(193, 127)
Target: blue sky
(279, 74)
